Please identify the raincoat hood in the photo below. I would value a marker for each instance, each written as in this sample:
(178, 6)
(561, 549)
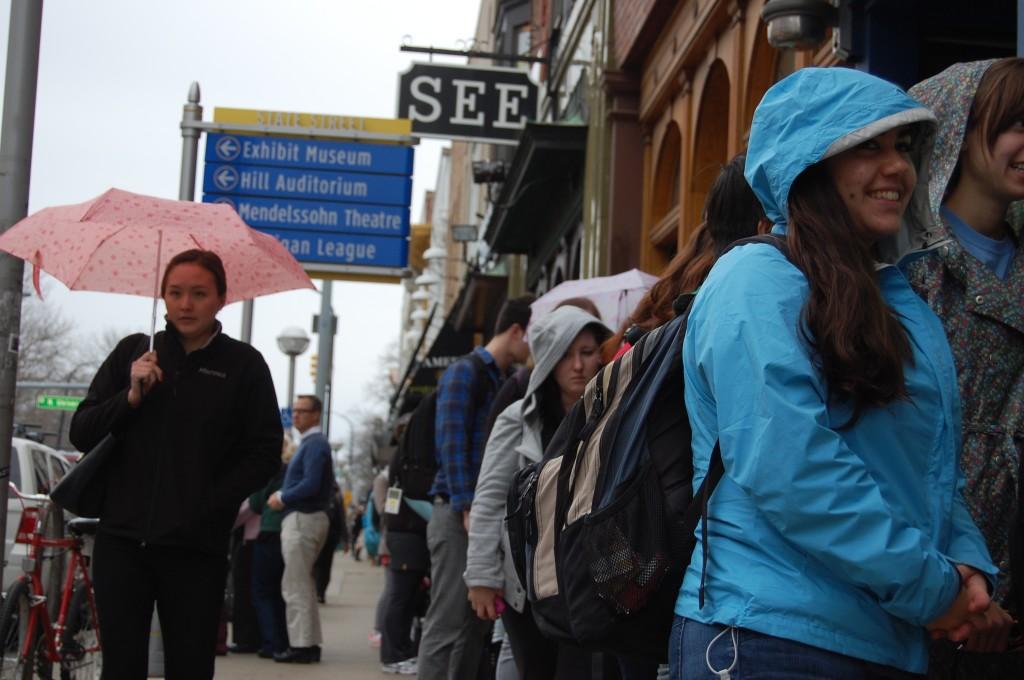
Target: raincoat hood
(549, 337)
(950, 95)
(817, 113)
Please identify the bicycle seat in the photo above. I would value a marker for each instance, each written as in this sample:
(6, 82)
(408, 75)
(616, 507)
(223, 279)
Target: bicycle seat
(81, 526)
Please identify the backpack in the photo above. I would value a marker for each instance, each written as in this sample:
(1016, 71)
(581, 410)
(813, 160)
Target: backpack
(602, 528)
(414, 466)
(371, 534)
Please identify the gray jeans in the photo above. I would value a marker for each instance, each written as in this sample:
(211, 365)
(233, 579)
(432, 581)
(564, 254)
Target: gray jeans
(453, 636)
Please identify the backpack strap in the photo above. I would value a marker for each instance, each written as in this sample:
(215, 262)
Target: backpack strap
(715, 471)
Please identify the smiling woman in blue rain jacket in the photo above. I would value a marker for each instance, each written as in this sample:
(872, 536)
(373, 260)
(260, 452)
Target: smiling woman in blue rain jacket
(838, 532)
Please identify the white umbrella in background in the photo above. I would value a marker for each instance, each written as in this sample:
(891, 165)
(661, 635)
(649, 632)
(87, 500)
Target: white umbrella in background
(614, 296)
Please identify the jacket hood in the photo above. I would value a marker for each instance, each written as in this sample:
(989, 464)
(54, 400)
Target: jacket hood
(816, 113)
(550, 336)
(950, 95)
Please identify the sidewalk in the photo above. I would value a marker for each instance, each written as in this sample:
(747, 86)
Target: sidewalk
(347, 619)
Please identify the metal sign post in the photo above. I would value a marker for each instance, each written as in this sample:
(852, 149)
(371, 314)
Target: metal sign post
(325, 350)
(15, 169)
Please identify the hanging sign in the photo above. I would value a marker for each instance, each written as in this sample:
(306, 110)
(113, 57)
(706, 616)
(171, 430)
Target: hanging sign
(460, 102)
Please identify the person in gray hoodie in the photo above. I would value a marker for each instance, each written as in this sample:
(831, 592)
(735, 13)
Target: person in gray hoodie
(566, 350)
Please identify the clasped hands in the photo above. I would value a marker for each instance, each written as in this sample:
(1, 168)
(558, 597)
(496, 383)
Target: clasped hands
(973, 620)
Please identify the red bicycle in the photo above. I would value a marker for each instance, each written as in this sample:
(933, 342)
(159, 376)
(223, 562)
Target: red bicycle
(31, 645)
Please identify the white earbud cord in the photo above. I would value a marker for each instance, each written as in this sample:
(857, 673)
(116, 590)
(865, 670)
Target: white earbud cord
(723, 674)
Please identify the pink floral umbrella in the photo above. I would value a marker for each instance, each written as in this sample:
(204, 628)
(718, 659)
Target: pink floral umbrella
(120, 242)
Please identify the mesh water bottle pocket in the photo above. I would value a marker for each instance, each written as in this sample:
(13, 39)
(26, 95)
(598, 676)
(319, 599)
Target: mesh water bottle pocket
(630, 546)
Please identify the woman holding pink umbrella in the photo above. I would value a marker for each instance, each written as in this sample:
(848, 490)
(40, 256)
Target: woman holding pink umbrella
(198, 430)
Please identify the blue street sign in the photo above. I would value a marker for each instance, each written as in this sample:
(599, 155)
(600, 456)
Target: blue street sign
(311, 154)
(374, 251)
(286, 417)
(349, 218)
(310, 184)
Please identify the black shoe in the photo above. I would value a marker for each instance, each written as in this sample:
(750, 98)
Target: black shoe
(243, 649)
(265, 654)
(299, 655)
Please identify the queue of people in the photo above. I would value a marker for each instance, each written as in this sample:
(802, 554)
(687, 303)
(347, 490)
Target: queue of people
(861, 376)
(863, 382)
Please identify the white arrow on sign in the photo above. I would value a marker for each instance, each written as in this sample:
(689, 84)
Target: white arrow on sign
(226, 178)
(228, 201)
(228, 148)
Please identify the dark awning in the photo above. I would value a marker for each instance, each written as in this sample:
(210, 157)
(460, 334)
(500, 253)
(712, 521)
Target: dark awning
(478, 308)
(545, 176)
(421, 376)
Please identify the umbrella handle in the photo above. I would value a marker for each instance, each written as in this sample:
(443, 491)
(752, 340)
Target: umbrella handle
(156, 287)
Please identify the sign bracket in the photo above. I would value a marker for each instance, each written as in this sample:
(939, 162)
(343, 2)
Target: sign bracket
(496, 56)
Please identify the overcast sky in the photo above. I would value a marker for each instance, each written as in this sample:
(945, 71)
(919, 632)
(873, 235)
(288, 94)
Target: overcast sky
(114, 74)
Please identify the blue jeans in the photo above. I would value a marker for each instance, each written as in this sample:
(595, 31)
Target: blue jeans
(754, 656)
(267, 568)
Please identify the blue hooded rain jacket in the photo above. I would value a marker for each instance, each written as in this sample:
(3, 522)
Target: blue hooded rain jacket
(842, 540)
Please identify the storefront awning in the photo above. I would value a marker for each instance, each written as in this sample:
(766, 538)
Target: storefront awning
(546, 173)
(478, 308)
(421, 375)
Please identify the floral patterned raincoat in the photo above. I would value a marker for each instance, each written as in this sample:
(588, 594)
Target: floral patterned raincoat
(984, 319)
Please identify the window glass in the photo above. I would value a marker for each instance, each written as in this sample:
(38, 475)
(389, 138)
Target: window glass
(40, 471)
(58, 468)
(523, 40)
(16, 467)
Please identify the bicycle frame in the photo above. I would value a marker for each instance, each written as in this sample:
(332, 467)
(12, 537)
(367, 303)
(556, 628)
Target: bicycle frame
(53, 634)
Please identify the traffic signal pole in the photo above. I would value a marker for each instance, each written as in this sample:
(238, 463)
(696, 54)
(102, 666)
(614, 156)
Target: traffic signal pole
(15, 169)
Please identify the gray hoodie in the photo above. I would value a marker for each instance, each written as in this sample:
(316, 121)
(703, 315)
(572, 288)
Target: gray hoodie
(515, 442)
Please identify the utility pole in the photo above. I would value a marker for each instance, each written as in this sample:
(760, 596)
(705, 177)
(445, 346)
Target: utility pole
(325, 350)
(15, 169)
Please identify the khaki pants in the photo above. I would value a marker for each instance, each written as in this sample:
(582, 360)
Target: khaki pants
(302, 536)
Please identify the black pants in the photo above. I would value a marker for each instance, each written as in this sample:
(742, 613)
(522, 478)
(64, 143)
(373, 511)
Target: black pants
(323, 564)
(245, 631)
(403, 589)
(188, 588)
(538, 658)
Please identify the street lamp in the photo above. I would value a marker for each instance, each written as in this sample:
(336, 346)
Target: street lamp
(293, 341)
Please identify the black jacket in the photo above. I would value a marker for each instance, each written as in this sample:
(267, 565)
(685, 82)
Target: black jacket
(202, 440)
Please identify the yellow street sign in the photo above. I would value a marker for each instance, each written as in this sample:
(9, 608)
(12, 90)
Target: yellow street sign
(309, 124)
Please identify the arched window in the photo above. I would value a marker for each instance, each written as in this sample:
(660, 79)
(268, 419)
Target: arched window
(711, 141)
(665, 199)
(763, 70)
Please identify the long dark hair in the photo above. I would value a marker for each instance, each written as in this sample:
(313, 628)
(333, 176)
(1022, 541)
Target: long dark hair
(859, 343)
(731, 212)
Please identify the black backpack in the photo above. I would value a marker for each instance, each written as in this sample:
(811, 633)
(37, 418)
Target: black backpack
(414, 465)
(602, 529)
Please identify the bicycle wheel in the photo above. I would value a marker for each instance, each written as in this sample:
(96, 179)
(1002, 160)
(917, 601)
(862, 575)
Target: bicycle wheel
(81, 657)
(14, 629)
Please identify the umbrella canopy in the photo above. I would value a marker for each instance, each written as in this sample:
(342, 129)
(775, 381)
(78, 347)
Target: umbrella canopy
(614, 296)
(120, 242)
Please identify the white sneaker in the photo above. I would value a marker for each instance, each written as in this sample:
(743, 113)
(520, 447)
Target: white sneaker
(408, 667)
(393, 668)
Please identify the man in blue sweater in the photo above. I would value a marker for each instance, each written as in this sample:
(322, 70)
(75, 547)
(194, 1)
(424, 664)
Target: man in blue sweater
(304, 498)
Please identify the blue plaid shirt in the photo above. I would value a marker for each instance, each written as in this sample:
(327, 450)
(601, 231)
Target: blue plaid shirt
(458, 457)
